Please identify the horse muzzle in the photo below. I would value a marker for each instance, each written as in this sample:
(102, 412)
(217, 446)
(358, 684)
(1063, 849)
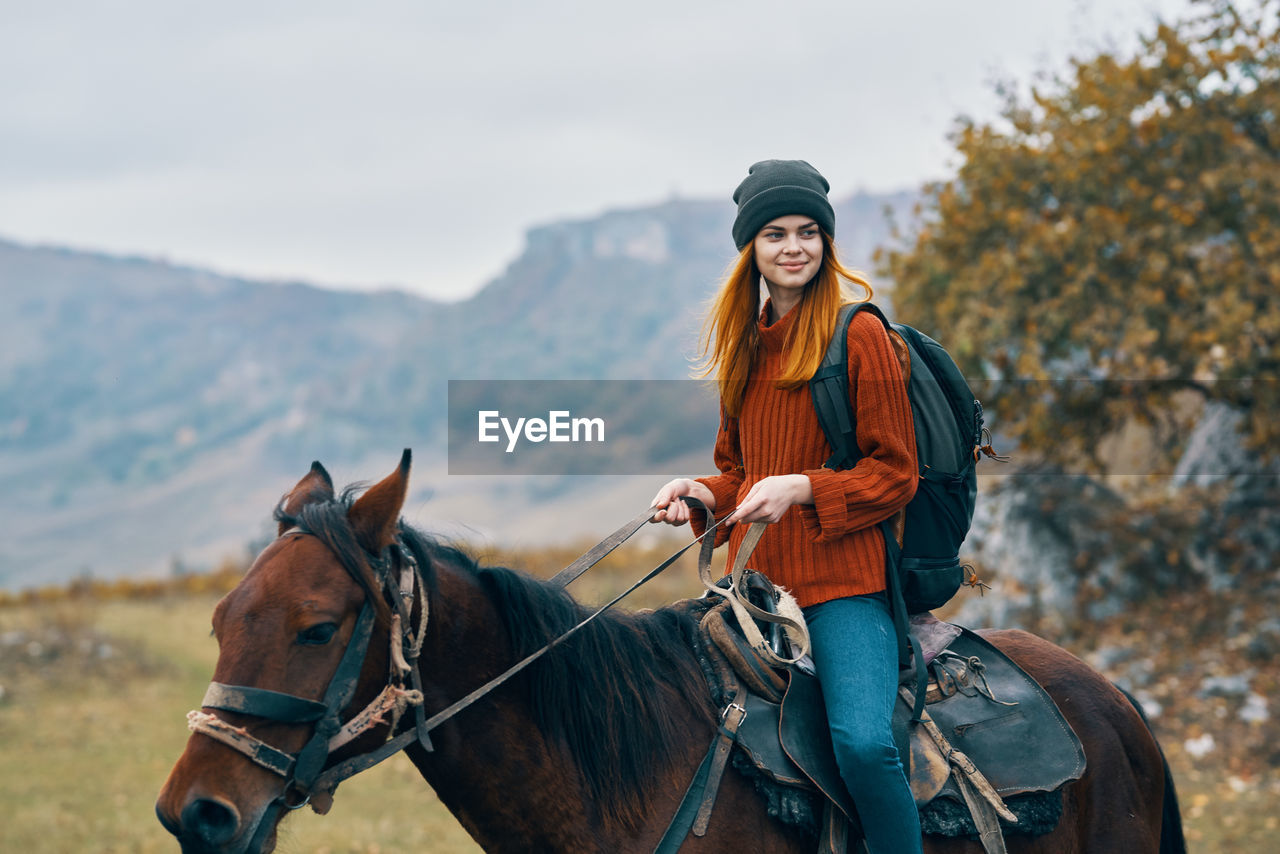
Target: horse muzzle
(212, 825)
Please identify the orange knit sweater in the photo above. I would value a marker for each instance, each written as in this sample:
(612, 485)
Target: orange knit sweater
(833, 547)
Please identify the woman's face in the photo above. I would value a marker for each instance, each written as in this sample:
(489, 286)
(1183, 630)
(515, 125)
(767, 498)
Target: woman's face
(789, 251)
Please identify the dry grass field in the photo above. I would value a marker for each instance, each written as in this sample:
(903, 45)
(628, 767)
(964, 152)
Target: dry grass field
(93, 716)
(95, 685)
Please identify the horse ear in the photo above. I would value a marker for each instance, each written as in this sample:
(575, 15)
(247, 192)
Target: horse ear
(374, 515)
(314, 487)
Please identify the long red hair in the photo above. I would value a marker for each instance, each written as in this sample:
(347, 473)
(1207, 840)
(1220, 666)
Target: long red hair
(730, 339)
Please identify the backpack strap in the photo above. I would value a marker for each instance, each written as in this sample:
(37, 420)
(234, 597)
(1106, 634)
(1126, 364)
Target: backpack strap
(909, 652)
(829, 387)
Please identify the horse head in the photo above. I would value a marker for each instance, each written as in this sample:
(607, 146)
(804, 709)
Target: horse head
(307, 640)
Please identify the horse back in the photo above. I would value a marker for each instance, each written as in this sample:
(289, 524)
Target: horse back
(1117, 804)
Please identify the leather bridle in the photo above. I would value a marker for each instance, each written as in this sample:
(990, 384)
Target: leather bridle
(304, 772)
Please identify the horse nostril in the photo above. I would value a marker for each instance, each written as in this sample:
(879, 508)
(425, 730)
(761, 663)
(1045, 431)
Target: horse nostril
(213, 821)
(166, 822)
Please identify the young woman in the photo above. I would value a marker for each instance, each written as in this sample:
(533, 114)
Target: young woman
(825, 545)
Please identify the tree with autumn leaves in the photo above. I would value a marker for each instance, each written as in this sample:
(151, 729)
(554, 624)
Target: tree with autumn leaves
(1109, 250)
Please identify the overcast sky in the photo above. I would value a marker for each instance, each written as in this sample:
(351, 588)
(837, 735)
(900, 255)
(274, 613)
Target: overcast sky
(410, 144)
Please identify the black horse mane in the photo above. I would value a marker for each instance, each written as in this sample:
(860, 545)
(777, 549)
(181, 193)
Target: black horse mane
(604, 694)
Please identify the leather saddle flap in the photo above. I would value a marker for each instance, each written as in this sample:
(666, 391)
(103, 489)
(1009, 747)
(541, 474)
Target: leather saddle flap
(790, 741)
(769, 746)
(758, 738)
(805, 737)
(1019, 740)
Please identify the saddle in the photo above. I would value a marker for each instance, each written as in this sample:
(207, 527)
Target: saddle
(988, 757)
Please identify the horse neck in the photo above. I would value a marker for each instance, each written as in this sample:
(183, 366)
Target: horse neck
(490, 759)
(492, 766)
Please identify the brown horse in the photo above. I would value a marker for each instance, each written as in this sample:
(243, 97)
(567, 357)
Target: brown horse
(589, 750)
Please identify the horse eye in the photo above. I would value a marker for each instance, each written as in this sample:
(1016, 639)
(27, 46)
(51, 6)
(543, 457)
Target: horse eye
(318, 635)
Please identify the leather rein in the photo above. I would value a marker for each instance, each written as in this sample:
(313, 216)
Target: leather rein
(304, 772)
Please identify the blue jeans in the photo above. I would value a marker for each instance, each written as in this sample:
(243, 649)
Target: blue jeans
(856, 657)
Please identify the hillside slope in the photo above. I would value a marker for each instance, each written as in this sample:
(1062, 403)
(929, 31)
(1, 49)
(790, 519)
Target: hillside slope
(151, 414)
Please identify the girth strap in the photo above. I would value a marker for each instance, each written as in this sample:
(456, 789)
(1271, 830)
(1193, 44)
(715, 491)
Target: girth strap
(727, 735)
(694, 811)
(984, 817)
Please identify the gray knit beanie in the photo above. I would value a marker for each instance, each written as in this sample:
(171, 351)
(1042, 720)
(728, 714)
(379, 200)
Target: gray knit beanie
(775, 188)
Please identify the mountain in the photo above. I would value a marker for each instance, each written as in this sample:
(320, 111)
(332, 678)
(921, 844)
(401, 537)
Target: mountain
(151, 414)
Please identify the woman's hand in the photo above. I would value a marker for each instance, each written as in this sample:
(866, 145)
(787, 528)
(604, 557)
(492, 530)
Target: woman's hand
(770, 498)
(671, 509)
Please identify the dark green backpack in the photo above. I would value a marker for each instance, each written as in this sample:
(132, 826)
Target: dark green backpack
(948, 427)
